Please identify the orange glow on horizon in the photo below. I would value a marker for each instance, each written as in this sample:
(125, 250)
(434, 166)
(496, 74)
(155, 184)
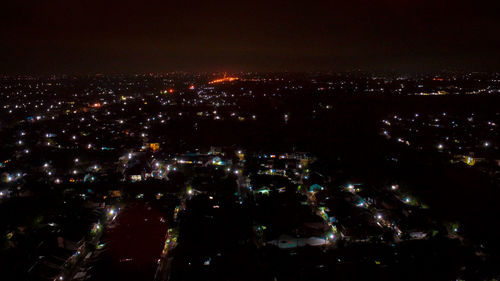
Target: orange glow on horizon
(225, 79)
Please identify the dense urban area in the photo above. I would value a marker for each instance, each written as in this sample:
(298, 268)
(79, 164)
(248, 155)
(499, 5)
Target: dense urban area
(250, 176)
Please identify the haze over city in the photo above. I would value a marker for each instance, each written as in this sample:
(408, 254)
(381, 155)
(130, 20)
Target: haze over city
(81, 37)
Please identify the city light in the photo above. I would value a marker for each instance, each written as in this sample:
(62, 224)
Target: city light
(222, 80)
(160, 152)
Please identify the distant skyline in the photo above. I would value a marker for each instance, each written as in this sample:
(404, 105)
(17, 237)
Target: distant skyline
(89, 36)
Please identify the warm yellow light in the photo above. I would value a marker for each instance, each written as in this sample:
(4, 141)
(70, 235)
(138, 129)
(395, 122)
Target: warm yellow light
(154, 146)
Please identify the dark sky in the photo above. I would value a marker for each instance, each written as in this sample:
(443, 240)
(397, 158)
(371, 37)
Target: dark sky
(87, 36)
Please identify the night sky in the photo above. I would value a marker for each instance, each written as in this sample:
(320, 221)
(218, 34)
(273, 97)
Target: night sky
(87, 36)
